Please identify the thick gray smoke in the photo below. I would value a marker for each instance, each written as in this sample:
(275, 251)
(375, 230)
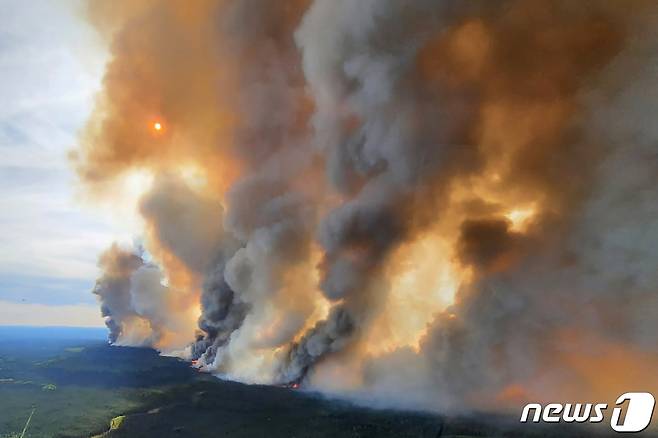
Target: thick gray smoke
(330, 138)
(131, 294)
(382, 153)
(113, 288)
(580, 289)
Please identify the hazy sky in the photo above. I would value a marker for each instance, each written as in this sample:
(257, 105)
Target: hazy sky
(50, 69)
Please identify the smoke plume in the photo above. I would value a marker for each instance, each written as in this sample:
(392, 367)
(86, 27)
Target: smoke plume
(450, 200)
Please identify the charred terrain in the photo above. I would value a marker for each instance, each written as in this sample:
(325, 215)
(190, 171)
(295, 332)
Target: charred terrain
(79, 386)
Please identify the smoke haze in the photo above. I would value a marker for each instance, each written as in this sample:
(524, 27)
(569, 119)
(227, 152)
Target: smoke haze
(449, 202)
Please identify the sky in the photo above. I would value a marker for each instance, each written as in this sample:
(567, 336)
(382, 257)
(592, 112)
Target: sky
(51, 65)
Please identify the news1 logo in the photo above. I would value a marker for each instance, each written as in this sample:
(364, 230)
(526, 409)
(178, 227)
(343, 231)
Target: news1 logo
(632, 417)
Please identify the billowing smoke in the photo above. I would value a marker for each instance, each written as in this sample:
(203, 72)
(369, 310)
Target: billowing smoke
(135, 302)
(113, 288)
(445, 199)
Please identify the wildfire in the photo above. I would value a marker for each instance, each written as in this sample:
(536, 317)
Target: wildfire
(423, 283)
